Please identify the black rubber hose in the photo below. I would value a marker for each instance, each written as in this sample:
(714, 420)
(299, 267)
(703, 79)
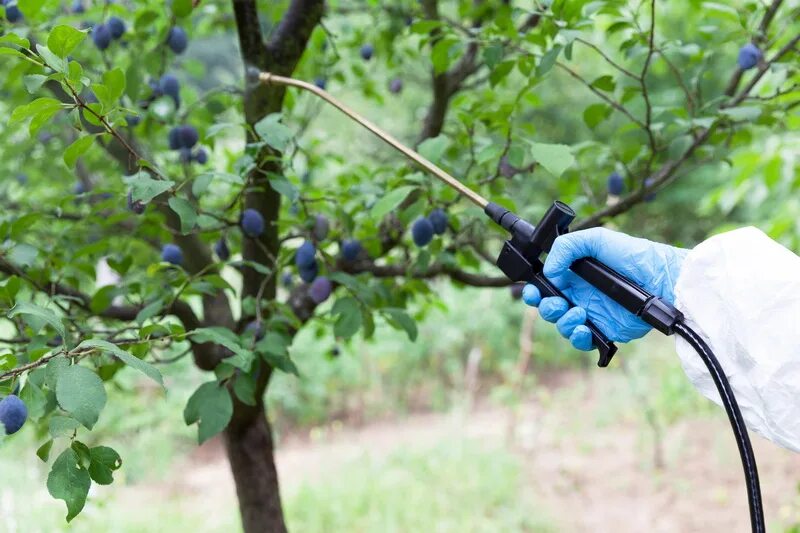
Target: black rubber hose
(737, 423)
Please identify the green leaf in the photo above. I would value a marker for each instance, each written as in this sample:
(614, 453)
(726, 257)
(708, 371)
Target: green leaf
(77, 149)
(30, 8)
(40, 105)
(390, 201)
(348, 321)
(595, 114)
(556, 158)
(114, 81)
(39, 313)
(742, 113)
(33, 82)
(245, 388)
(84, 458)
(80, 392)
(210, 406)
(62, 426)
(604, 83)
(132, 361)
(284, 187)
(149, 311)
(43, 452)
(182, 8)
(548, 60)
(241, 358)
(185, 212)
(399, 319)
(273, 132)
(104, 462)
(35, 400)
(434, 147)
(69, 482)
(144, 188)
(63, 40)
(52, 60)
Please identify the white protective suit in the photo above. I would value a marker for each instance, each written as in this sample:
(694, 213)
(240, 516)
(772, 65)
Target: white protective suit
(741, 291)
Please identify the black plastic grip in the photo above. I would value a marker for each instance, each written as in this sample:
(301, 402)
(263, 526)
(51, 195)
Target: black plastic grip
(613, 284)
(606, 348)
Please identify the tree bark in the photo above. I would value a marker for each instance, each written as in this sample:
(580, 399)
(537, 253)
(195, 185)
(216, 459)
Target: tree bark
(251, 455)
(248, 438)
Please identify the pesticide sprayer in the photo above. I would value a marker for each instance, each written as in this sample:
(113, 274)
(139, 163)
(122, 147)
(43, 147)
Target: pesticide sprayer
(521, 259)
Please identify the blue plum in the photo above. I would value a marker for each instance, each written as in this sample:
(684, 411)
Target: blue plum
(101, 35)
(177, 39)
(252, 223)
(320, 289)
(351, 248)
(439, 220)
(616, 185)
(305, 255)
(221, 249)
(13, 414)
(171, 253)
(422, 231)
(749, 56)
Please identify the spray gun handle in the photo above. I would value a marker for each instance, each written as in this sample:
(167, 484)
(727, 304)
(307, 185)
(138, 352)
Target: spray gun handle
(606, 348)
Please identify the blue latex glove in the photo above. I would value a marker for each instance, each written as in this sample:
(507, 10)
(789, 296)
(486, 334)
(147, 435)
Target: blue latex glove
(653, 266)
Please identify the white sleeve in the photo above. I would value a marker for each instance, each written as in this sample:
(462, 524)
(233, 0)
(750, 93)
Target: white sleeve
(741, 291)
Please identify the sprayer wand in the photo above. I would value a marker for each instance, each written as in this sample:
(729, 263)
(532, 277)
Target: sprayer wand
(521, 260)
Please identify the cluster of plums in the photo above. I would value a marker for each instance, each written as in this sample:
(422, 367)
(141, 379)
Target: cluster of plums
(106, 32)
(424, 228)
(183, 139)
(616, 186)
(251, 222)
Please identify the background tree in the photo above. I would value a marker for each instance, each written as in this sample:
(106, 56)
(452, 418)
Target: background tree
(133, 136)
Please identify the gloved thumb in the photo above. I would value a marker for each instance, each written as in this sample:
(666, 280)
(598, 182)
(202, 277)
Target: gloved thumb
(566, 250)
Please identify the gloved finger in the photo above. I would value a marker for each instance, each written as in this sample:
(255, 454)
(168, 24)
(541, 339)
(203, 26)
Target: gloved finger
(570, 320)
(581, 338)
(531, 295)
(569, 248)
(552, 308)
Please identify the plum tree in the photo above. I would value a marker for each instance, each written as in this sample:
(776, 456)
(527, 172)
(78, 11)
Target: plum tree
(252, 223)
(13, 414)
(177, 39)
(491, 89)
(171, 253)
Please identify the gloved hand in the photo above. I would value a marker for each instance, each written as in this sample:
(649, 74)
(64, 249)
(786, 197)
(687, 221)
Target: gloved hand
(654, 267)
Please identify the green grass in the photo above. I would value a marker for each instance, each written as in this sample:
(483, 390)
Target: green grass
(457, 487)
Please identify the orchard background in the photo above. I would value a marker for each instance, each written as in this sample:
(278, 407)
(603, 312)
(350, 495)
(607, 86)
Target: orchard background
(181, 245)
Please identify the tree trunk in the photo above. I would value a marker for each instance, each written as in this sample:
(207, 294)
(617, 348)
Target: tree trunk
(251, 456)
